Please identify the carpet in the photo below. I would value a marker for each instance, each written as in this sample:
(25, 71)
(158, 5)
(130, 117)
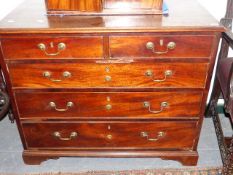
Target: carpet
(182, 171)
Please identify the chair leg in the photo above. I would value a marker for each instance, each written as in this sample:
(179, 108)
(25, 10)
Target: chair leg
(225, 150)
(212, 106)
(228, 164)
(11, 116)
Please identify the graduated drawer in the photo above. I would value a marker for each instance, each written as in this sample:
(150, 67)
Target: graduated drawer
(104, 105)
(104, 135)
(59, 47)
(164, 46)
(84, 75)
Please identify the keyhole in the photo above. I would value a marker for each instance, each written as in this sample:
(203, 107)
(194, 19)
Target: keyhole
(161, 42)
(51, 45)
(107, 69)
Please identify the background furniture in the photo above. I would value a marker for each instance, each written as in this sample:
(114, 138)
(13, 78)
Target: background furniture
(4, 100)
(109, 86)
(224, 84)
(104, 7)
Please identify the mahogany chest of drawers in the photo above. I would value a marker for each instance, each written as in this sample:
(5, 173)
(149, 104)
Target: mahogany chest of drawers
(109, 86)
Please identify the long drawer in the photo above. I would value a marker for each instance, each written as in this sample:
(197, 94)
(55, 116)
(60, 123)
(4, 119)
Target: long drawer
(163, 46)
(84, 75)
(104, 105)
(54, 48)
(118, 135)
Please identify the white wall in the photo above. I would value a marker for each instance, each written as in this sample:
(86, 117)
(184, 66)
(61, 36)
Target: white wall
(7, 6)
(215, 7)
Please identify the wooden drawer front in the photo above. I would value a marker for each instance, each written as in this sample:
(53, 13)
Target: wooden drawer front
(127, 104)
(135, 75)
(76, 47)
(143, 135)
(132, 4)
(74, 5)
(185, 46)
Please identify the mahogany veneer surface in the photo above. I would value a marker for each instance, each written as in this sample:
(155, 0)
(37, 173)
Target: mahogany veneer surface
(132, 75)
(104, 6)
(76, 47)
(133, 4)
(30, 18)
(109, 85)
(177, 135)
(80, 5)
(123, 105)
(135, 46)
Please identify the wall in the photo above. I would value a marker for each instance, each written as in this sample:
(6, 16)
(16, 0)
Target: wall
(215, 7)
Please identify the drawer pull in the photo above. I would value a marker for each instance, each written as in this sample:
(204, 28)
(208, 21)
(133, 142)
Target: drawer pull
(163, 105)
(65, 74)
(68, 105)
(60, 47)
(108, 107)
(57, 135)
(109, 137)
(159, 136)
(108, 78)
(151, 46)
(167, 73)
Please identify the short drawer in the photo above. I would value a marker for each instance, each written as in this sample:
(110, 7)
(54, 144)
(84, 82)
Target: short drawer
(60, 47)
(164, 46)
(134, 75)
(104, 105)
(104, 135)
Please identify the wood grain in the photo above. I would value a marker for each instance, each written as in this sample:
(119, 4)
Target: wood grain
(192, 18)
(101, 7)
(87, 75)
(79, 5)
(178, 135)
(187, 46)
(123, 105)
(76, 47)
(196, 34)
(34, 157)
(133, 4)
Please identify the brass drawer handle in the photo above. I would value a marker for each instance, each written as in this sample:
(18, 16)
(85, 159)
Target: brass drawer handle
(167, 73)
(109, 137)
(57, 135)
(108, 107)
(163, 105)
(159, 136)
(108, 78)
(60, 47)
(151, 46)
(48, 75)
(68, 106)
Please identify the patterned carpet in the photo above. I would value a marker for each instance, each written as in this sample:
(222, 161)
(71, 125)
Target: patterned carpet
(186, 171)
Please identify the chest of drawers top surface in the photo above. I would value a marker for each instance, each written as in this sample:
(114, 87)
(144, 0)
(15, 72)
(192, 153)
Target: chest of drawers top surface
(186, 15)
